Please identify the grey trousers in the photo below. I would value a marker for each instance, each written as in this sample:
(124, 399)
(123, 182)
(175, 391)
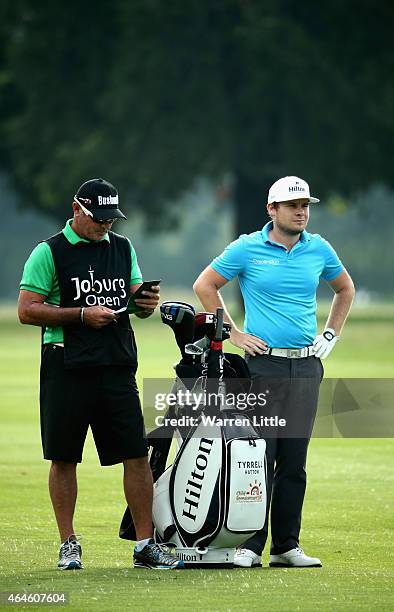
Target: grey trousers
(292, 387)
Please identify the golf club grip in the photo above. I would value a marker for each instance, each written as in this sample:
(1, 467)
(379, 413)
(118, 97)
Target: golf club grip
(219, 324)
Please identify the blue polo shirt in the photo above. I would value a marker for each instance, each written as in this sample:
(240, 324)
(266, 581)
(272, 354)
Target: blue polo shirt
(279, 286)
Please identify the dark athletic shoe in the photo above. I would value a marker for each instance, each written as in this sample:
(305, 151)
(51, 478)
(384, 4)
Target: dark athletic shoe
(156, 556)
(70, 555)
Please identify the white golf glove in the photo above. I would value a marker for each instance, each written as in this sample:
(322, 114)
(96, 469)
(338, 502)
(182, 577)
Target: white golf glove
(324, 343)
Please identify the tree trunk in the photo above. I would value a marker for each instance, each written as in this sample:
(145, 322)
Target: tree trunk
(250, 204)
(250, 210)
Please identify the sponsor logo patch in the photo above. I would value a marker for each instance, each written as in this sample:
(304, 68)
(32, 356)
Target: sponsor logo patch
(253, 493)
(108, 200)
(99, 292)
(266, 262)
(195, 484)
(296, 188)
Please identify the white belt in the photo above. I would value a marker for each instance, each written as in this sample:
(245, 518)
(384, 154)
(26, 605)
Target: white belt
(58, 344)
(291, 353)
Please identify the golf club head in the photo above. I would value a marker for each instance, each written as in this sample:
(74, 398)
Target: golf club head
(205, 324)
(180, 317)
(193, 349)
(199, 350)
(226, 330)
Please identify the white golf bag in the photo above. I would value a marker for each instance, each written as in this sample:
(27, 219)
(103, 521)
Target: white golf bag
(213, 496)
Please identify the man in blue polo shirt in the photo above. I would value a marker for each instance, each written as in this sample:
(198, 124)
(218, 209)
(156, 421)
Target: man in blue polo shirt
(279, 268)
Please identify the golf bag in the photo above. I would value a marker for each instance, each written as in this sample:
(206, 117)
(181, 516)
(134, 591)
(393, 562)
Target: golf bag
(213, 496)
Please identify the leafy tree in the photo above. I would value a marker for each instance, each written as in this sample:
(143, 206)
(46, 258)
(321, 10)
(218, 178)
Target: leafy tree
(151, 94)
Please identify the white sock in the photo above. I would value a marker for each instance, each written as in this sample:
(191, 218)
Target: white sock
(141, 544)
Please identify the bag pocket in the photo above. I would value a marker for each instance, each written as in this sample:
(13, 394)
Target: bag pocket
(246, 488)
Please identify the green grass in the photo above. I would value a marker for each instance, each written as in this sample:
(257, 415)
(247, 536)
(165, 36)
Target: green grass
(347, 518)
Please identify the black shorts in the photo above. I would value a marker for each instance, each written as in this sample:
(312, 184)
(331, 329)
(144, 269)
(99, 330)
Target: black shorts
(105, 397)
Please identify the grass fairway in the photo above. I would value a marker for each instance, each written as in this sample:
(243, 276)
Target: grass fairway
(347, 520)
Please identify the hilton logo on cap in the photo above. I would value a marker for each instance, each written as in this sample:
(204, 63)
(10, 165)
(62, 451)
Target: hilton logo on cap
(108, 200)
(296, 187)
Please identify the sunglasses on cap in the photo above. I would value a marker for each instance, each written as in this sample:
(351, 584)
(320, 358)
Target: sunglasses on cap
(90, 214)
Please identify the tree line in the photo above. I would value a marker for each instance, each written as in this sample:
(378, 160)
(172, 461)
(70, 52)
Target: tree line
(152, 94)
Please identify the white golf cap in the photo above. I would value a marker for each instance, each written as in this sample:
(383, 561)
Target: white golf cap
(290, 188)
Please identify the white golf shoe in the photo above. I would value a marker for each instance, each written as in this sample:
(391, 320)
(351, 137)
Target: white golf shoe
(294, 558)
(244, 557)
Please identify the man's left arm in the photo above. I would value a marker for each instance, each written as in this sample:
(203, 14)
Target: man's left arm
(343, 288)
(344, 294)
(148, 302)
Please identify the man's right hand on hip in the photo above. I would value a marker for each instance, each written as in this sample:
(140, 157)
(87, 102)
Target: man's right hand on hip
(250, 344)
